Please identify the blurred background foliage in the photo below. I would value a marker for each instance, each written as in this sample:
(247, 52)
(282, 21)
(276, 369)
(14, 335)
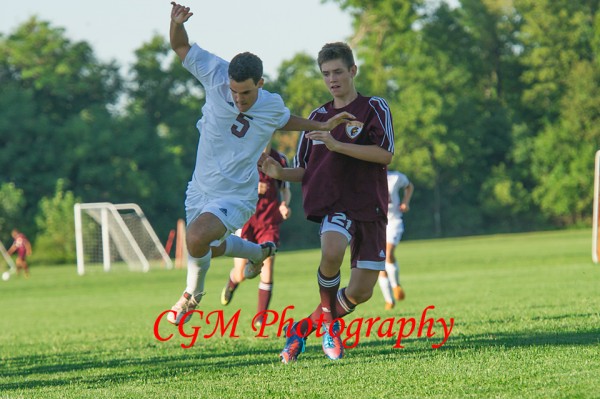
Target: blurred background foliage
(496, 107)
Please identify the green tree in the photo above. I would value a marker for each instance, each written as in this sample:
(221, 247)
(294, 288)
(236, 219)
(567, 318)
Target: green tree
(12, 203)
(48, 83)
(563, 157)
(301, 85)
(55, 242)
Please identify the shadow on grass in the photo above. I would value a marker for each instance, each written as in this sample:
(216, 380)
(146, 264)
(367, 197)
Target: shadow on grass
(414, 346)
(91, 369)
(524, 339)
(79, 367)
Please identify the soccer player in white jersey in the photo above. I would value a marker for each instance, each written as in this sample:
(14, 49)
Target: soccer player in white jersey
(238, 121)
(389, 280)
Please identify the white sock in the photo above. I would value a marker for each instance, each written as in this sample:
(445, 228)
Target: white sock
(237, 247)
(393, 272)
(386, 289)
(196, 273)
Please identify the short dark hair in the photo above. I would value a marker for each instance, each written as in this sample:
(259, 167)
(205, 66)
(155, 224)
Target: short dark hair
(335, 51)
(246, 66)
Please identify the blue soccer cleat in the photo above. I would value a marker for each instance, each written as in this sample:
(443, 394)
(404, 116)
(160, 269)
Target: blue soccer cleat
(294, 346)
(332, 344)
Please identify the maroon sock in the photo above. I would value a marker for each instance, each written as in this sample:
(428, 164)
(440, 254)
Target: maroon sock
(343, 306)
(264, 296)
(328, 287)
(232, 286)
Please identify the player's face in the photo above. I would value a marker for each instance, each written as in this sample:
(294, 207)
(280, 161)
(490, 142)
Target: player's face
(338, 78)
(245, 93)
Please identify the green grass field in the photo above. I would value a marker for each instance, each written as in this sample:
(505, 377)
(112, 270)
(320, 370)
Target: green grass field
(526, 311)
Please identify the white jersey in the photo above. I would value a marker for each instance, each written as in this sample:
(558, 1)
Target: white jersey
(230, 141)
(396, 182)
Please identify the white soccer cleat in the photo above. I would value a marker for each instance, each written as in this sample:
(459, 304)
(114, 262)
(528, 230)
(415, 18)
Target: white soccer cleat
(186, 303)
(253, 267)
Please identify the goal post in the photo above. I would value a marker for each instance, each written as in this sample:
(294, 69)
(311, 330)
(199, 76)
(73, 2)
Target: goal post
(110, 234)
(596, 214)
(9, 261)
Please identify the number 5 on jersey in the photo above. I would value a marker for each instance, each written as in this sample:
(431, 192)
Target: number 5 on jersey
(241, 125)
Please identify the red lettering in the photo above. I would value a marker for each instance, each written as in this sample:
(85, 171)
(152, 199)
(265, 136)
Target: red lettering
(353, 333)
(221, 323)
(156, 324)
(194, 335)
(401, 334)
(428, 321)
(390, 328)
(370, 323)
(284, 321)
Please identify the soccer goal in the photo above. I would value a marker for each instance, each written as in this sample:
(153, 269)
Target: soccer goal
(7, 258)
(596, 215)
(116, 234)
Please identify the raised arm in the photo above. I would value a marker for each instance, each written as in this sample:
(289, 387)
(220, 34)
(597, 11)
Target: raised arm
(177, 33)
(300, 124)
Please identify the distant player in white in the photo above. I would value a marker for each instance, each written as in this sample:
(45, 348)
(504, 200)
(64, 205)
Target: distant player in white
(238, 121)
(389, 280)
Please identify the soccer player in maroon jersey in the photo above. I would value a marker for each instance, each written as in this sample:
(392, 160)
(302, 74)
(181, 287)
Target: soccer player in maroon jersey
(22, 247)
(344, 188)
(272, 209)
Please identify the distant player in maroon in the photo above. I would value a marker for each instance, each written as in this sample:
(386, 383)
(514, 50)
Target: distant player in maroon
(344, 187)
(271, 210)
(22, 247)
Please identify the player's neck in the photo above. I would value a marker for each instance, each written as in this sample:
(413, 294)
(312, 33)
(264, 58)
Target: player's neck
(342, 101)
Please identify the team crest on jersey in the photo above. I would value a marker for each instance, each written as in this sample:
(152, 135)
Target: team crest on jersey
(353, 129)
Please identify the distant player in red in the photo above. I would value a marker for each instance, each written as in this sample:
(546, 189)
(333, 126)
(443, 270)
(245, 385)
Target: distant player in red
(22, 247)
(344, 188)
(271, 210)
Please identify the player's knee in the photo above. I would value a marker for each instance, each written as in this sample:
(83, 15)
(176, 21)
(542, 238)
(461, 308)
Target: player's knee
(331, 258)
(359, 296)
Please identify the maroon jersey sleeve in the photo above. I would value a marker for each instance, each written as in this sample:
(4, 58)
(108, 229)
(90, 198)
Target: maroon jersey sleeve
(335, 182)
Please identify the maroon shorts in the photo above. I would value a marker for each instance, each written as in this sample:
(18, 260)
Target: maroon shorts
(22, 253)
(367, 239)
(260, 232)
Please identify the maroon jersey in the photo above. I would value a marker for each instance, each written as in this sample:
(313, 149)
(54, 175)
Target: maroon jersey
(267, 208)
(335, 182)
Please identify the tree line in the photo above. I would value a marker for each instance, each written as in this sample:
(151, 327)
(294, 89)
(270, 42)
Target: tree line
(496, 105)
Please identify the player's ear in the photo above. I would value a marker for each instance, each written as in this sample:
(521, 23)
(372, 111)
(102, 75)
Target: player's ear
(260, 83)
(353, 70)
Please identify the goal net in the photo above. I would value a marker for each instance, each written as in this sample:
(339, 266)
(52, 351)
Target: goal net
(116, 235)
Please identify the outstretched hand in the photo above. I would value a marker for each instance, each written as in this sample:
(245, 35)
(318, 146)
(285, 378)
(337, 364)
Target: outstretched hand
(179, 13)
(269, 166)
(342, 117)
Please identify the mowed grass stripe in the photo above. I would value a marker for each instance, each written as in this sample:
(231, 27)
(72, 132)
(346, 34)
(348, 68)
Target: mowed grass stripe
(525, 309)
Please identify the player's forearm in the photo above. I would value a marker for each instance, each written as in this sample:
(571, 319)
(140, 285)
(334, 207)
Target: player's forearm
(290, 174)
(286, 195)
(408, 194)
(369, 153)
(295, 123)
(179, 39)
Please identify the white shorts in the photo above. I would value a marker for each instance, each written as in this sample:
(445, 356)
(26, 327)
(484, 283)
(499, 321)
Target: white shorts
(233, 213)
(394, 231)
